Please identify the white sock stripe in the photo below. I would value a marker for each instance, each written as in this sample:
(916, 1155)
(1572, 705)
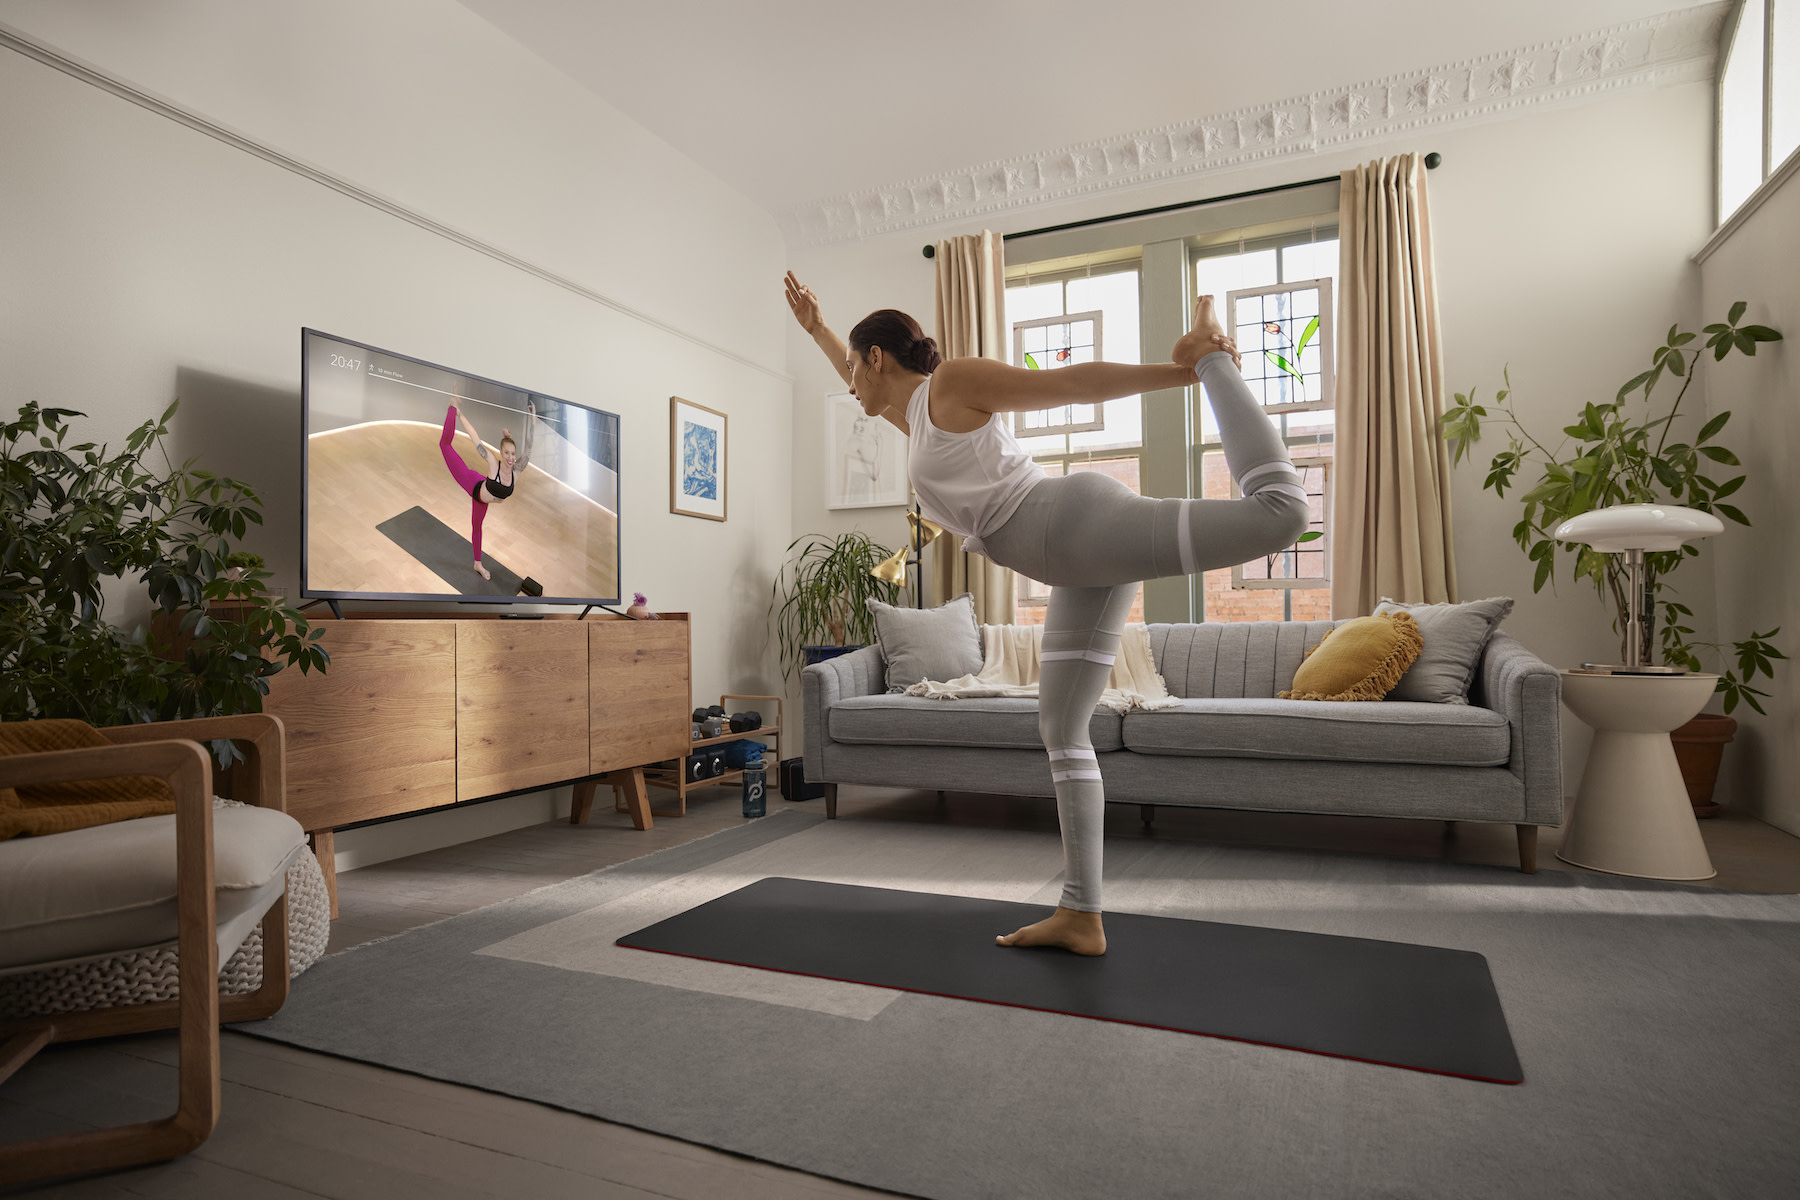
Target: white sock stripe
(1184, 539)
(1073, 776)
(1087, 754)
(1091, 655)
(1268, 468)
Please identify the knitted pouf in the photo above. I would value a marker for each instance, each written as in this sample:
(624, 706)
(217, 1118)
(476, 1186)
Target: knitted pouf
(150, 975)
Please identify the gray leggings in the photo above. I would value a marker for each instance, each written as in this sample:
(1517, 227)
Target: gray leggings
(1093, 540)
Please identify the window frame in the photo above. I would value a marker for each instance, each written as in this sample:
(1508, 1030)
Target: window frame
(1098, 424)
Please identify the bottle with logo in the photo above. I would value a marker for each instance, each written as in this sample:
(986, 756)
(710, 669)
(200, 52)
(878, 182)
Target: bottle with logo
(755, 786)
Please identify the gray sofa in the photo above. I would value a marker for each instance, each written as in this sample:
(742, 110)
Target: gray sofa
(1231, 744)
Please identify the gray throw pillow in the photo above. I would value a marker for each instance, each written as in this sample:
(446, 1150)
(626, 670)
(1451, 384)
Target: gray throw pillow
(928, 643)
(1455, 635)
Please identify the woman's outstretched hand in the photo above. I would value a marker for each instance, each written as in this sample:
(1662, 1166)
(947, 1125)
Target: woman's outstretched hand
(804, 304)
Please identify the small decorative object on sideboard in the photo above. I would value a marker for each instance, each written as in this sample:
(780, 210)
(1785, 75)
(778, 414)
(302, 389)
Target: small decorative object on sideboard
(640, 609)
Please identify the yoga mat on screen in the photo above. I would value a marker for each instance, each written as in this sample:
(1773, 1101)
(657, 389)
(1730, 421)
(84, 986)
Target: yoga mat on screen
(449, 554)
(1418, 1007)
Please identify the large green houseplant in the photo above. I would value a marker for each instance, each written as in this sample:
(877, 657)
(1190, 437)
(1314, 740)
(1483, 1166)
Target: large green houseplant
(1621, 452)
(74, 517)
(820, 593)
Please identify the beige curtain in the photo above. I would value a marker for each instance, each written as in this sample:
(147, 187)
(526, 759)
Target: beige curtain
(1391, 471)
(971, 322)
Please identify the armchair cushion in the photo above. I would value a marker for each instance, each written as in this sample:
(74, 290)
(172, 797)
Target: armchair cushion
(61, 807)
(109, 888)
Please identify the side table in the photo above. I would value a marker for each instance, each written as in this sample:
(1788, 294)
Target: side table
(1632, 815)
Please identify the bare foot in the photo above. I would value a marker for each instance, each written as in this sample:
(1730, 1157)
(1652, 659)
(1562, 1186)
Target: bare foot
(1075, 931)
(483, 571)
(1206, 337)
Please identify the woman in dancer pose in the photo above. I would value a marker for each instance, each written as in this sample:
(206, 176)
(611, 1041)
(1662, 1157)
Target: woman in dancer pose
(1086, 535)
(501, 476)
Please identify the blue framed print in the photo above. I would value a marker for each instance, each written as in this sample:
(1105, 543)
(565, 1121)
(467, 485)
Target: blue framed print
(697, 460)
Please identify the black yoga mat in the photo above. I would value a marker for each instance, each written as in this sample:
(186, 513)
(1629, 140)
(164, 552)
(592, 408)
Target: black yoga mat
(1419, 1007)
(449, 554)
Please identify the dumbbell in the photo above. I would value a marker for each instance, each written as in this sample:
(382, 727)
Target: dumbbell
(744, 722)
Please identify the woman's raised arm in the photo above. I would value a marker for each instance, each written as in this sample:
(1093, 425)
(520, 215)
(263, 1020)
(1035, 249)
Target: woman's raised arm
(805, 307)
(469, 428)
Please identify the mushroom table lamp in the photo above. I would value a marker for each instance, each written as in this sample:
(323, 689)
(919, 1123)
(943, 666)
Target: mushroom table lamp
(1631, 529)
(1631, 815)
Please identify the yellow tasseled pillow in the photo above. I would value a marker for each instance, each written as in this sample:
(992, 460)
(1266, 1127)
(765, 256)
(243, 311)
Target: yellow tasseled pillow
(1362, 659)
(60, 807)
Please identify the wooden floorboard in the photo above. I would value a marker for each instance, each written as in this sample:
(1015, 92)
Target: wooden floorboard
(297, 1124)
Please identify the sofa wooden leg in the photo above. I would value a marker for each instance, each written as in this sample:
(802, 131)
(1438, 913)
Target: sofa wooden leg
(1528, 849)
(1148, 812)
(831, 801)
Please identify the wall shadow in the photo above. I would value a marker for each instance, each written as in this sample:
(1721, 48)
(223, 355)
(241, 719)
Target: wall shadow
(251, 433)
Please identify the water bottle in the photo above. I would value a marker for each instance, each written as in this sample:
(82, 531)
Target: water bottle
(755, 785)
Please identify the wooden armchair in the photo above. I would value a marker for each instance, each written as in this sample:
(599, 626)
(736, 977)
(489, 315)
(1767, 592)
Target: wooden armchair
(171, 751)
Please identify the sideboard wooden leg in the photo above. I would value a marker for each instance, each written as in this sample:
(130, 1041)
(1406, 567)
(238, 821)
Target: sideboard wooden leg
(327, 856)
(1528, 849)
(582, 801)
(831, 801)
(637, 797)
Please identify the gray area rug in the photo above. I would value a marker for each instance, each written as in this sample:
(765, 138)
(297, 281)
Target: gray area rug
(1654, 1023)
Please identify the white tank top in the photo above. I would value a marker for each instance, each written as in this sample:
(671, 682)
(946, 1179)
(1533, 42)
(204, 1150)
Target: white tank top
(969, 483)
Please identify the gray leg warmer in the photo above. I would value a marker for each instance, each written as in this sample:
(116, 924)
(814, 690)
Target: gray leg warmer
(1093, 540)
(1081, 638)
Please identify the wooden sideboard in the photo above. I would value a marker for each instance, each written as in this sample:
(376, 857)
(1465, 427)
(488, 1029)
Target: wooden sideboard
(417, 713)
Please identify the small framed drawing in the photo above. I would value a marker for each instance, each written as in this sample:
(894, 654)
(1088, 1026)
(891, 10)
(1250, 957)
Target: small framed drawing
(865, 457)
(697, 460)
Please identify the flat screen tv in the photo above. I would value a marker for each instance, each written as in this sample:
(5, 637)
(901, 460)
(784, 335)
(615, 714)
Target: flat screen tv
(403, 502)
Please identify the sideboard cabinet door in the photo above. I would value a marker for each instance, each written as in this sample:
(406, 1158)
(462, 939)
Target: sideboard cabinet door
(639, 697)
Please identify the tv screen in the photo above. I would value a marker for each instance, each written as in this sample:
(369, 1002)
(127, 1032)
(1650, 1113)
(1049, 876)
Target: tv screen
(423, 483)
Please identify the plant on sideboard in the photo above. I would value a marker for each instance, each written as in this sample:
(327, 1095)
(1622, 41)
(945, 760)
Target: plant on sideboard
(76, 516)
(1621, 452)
(820, 592)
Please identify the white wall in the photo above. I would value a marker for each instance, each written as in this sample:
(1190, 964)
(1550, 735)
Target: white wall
(1563, 238)
(145, 260)
(1758, 580)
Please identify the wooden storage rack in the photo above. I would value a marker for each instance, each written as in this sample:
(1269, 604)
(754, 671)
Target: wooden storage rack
(675, 778)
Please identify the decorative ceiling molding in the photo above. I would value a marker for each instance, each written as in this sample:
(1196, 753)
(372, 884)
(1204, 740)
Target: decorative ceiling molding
(1675, 47)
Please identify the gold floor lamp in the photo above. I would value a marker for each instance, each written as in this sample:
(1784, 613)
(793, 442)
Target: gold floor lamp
(922, 532)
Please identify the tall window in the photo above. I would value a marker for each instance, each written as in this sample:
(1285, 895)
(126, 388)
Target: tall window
(1276, 294)
(1061, 319)
(1759, 98)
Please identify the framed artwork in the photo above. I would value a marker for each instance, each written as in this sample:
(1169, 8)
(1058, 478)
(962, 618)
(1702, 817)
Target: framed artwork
(697, 460)
(865, 457)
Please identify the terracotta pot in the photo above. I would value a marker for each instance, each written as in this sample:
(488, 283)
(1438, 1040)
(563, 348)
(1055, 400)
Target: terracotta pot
(1699, 745)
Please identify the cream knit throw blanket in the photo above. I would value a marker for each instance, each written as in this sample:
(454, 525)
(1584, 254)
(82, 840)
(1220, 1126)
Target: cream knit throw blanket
(1010, 668)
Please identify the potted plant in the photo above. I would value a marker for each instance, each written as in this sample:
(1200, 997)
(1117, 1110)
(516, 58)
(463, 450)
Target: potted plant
(819, 596)
(74, 517)
(1625, 452)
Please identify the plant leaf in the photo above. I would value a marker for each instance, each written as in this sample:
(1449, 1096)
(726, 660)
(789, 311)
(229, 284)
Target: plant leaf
(1713, 426)
(1737, 312)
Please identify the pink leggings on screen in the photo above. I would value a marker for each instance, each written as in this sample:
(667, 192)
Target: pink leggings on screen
(466, 478)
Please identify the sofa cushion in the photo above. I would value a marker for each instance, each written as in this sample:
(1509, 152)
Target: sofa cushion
(998, 721)
(1455, 635)
(1233, 658)
(1362, 659)
(933, 643)
(1389, 731)
(112, 887)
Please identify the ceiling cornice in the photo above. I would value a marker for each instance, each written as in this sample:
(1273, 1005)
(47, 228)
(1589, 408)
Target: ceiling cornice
(1675, 47)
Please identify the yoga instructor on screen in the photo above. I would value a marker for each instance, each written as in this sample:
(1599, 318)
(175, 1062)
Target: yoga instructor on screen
(483, 488)
(1086, 535)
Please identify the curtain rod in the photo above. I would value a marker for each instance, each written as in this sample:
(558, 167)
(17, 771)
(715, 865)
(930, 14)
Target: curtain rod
(1431, 163)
